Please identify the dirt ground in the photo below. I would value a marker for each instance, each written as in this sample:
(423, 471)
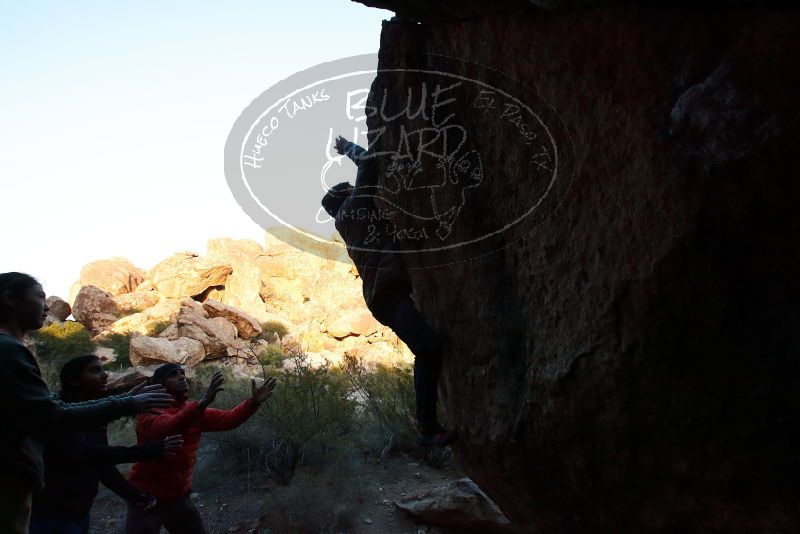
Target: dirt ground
(229, 506)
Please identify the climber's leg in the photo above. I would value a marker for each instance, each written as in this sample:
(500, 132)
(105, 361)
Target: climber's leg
(402, 317)
(423, 341)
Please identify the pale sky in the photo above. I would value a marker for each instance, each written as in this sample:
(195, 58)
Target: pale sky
(114, 118)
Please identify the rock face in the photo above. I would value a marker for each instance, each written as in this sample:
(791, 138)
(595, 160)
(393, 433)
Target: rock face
(145, 321)
(114, 275)
(59, 308)
(459, 504)
(357, 322)
(149, 350)
(308, 302)
(186, 274)
(628, 364)
(137, 301)
(215, 333)
(243, 285)
(95, 309)
(246, 326)
(457, 10)
(123, 381)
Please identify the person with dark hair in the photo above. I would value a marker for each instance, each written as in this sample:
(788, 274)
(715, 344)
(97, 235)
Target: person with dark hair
(30, 413)
(169, 478)
(76, 461)
(387, 286)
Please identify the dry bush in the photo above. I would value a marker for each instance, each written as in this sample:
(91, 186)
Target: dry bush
(315, 502)
(59, 342)
(308, 420)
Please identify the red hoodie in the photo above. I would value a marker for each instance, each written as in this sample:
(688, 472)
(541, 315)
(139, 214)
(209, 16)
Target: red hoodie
(169, 478)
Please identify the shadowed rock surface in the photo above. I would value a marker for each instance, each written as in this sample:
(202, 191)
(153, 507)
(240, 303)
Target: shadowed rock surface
(458, 504)
(456, 10)
(629, 362)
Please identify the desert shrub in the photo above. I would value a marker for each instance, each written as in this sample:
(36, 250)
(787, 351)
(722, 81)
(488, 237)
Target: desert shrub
(62, 341)
(153, 329)
(319, 420)
(270, 329)
(316, 501)
(312, 407)
(272, 357)
(387, 394)
(309, 420)
(126, 312)
(202, 376)
(121, 343)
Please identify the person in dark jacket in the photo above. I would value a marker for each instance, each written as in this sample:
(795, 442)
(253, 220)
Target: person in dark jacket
(386, 285)
(169, 478)
(30, 412)
(76, 461)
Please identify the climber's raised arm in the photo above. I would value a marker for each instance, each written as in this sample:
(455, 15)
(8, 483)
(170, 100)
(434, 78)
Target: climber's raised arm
(349, 149)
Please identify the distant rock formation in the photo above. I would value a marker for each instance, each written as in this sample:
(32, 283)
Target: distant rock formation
(191, 308)
(186, 274)
(95, 309)
(59, 311)
(115, 276)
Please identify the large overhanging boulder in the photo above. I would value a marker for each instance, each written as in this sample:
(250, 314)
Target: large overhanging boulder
(627, 363)
(463, 10)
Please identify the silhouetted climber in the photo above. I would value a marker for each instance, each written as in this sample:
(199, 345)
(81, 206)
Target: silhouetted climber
(75, 462)
(30, 413)
(387, 287)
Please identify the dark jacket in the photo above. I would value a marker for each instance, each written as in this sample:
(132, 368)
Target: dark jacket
(169, 478)
(75, 462)
(29, 413)
(380, 268)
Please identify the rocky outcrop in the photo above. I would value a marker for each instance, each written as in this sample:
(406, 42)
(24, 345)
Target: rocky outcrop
(95, 309)
(463, 10)
(114, 275)
(186, 274)
(146, 321)
(627, 361)
(313, 299)
(246, 326)
(244, 283)
(216, 333)
(458, 504)
(147, 350)
(353, 323)
(136, 302)
(123, 381)
(59, 308)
